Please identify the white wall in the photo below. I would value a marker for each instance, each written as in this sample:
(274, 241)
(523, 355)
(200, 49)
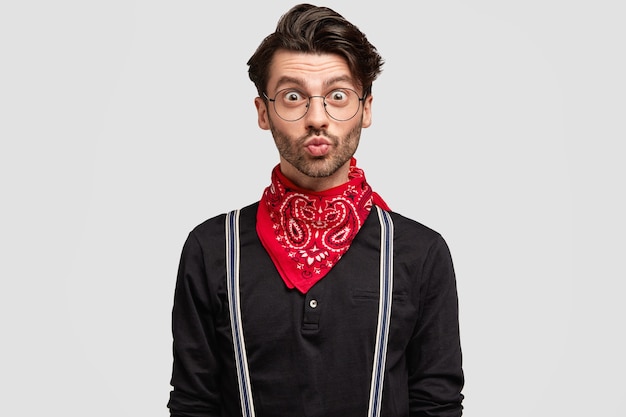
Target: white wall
(123, 124)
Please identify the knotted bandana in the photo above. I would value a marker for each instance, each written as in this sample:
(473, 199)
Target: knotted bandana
(305, 232)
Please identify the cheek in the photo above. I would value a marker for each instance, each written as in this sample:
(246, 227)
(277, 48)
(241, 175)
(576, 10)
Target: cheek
(291, 131)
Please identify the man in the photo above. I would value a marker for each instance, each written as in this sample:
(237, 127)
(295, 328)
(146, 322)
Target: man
(317, 300)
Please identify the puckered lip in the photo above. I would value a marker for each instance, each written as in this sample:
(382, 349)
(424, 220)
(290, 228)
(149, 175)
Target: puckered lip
(317, 141)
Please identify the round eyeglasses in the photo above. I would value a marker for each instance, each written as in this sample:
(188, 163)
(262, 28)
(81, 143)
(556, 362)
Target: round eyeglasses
(341, 104)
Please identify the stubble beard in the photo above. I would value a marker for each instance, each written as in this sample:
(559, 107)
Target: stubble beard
(292, 150)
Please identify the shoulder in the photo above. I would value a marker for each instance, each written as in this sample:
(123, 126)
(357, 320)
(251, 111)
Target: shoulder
(213, 228)
(406, 228)
(216, 223)
(415, 243)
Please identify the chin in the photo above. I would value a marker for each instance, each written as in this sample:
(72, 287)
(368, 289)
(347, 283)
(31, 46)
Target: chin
(320, 167)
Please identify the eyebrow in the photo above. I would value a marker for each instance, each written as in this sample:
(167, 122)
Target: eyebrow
(301, 82)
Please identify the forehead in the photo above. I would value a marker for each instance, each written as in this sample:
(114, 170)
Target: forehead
(308, 70)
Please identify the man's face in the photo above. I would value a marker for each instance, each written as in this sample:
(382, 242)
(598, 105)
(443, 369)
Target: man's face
(315, 150)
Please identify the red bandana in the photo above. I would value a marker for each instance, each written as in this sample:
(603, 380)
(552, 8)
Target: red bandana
(306, 232)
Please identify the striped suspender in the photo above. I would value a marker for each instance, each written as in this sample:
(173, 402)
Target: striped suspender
(232, 284)
(384, 312)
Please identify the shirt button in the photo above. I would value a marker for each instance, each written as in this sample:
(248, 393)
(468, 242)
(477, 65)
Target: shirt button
(313, 303)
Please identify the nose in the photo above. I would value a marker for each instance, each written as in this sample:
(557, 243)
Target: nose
(316, 115)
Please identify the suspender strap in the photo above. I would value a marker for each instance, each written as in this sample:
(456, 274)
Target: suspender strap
(384, 311)
(382, 329)
(232, 284)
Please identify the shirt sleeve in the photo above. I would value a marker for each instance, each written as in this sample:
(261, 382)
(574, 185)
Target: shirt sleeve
(434, 352)
(195, 370)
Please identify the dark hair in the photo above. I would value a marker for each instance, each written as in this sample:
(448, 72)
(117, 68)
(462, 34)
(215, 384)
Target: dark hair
(308, 28)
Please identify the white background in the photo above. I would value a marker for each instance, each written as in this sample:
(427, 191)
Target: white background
(123, 124)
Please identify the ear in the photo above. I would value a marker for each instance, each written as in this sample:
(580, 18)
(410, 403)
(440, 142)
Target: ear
(367, 111)
(263, 117)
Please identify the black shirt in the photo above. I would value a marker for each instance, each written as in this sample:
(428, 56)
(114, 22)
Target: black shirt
(311, 354)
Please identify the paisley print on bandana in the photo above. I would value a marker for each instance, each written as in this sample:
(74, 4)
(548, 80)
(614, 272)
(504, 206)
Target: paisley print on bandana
(306, 233)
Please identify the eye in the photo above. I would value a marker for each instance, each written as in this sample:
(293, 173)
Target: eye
(337, 95)
(292, 96)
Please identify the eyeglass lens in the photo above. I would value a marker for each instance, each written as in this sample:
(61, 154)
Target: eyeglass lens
(340, 104)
